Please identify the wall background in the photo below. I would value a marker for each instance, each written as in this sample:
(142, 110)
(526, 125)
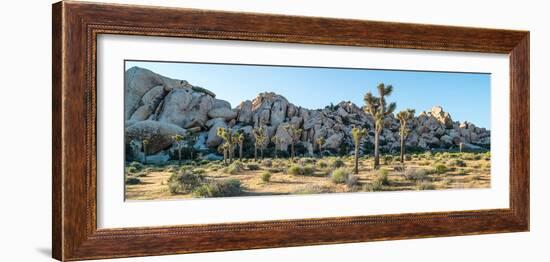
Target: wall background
(25, 94)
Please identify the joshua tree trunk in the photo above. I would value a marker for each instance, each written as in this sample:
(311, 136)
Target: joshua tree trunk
(255, 152)
(262, 152)
(402, 148)
(376, 150)
(240, 151)
(275, 151)
(230, 154)
(179, 155)
(225, 156)
(356, 158)
(145, 154)
(292, 155)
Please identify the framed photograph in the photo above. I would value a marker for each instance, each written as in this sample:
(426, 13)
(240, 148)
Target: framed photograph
(182, 130)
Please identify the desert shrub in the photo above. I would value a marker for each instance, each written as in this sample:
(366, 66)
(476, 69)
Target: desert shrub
(457, 162)
(223, 188)
(322, 164)
(414, 174)
(408, 157)
(373, 187)
(306, 160)
(184, 182)
(215, 167)
(275, 169)
(136, 165)
(253, 166)
(424, 163)
(199, 171)
(266, 176)
(387, 159)
(267, 163)
(132, 181)
(337, 163)
(425, 186)
(234, 168)
(447, 181)
(475, 177)
(308, 170)
(399, 168)
(383, 177)
(440, 169)
(309, 189)
(132, 170)
(295, 170)
(352, 180)
(339, 176)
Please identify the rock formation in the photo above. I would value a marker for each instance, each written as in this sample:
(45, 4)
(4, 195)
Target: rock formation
(157, 107)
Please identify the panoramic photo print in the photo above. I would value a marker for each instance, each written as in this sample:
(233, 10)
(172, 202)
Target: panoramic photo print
(202, 130)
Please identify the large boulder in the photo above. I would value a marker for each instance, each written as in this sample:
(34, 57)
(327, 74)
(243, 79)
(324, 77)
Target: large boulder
(157, 133)
(443, 117)
(245, 112)
(222, 112)
(334, 141)
(139, 81)
(149, 103)
(186, 108)
(213, 139)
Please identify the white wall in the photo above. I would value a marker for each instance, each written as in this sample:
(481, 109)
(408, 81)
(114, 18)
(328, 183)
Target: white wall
(25, 96)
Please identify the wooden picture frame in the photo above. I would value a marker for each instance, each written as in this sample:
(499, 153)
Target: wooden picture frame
(76, 26)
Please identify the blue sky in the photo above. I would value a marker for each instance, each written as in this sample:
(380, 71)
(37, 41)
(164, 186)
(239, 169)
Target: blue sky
(466, 96)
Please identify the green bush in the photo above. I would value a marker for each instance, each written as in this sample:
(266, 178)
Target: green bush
(337, 163)
(308, 170)
(132, 170)
(339, 176)
(352, 180)
(408, 157)
(199, 171)
(388, 159)
(133, 181)
(425, 186)
(267, 163)
(137, 165)
(458, 163)
(440, 169)
(383, 177)
(295, 170)
(415, 174)
(373, 187)
(266, 176)
(253, 166)
(223, 188)
(184, 182)
(234, 168)
(322, 164)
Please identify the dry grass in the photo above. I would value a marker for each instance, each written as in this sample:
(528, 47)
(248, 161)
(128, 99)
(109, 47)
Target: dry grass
(472, 171)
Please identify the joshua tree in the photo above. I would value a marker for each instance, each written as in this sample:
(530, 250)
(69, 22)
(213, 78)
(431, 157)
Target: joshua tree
(225, 149)
(240, 136)
(225, 134)
(277, 141)
(320, 141)
(404, 117)
(357, 134)
(259, 141)
(295, 134)
(460, 147)
(377, 107)
(145, 143)
(190, 139)
(179, 140)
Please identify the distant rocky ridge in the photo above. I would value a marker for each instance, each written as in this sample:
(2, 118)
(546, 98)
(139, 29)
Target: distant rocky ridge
(157, 108)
